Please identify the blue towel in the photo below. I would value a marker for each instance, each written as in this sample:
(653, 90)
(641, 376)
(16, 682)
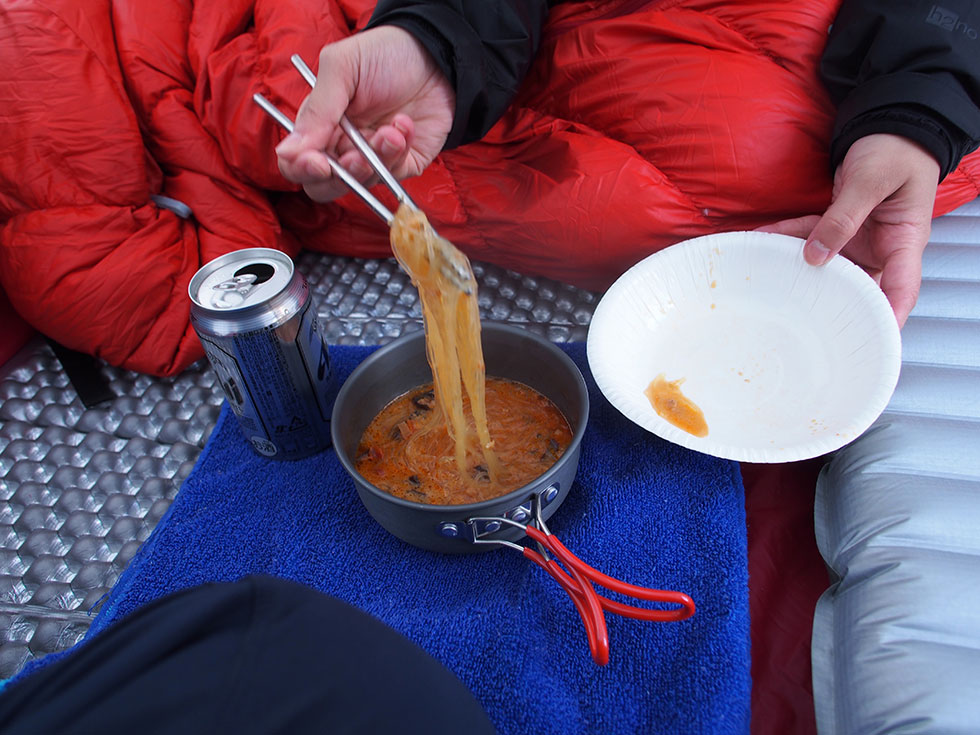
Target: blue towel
(641, 509)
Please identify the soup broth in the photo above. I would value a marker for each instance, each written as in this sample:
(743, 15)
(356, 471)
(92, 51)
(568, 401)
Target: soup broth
(407, 449)
(673, 406)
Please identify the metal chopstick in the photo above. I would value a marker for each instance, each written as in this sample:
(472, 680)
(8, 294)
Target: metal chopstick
(380, 209)
(359, 142)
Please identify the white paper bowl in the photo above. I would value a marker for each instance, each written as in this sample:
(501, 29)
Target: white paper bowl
(787, 361)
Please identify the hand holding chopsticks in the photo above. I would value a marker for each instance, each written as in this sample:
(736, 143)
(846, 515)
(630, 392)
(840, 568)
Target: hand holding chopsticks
(450, 261)
(384, 81)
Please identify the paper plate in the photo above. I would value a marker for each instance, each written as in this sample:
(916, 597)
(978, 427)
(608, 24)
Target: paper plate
(786, 361)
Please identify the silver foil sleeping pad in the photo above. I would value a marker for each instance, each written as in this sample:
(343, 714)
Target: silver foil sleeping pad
(81, 489)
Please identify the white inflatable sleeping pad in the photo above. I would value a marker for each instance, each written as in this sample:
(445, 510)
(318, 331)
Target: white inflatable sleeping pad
(896, 638)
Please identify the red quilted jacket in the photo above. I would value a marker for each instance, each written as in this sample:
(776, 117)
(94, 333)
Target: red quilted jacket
(639, 126)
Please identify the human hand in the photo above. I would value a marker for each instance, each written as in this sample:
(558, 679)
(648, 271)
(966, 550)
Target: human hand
(391, 90)
(880, 216)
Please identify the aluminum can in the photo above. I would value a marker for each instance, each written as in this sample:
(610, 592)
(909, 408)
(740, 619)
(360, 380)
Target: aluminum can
(256, 319)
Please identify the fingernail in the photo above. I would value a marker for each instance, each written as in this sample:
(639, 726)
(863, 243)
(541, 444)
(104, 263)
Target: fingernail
(816, 253)
(318, 168)
(291, 141)
(388, 148)
(360, 170)
(402, 126)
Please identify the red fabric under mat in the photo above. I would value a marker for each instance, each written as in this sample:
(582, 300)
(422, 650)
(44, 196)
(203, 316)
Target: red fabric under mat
(786, 576)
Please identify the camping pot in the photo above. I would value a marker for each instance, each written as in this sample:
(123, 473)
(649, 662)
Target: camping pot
(509, 352)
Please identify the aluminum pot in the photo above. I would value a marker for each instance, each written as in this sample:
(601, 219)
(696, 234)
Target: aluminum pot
(509, 352)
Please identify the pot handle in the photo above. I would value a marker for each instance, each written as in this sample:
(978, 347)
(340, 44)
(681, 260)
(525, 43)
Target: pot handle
(579, 580)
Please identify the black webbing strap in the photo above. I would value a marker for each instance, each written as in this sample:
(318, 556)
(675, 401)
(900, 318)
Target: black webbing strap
(85, 375)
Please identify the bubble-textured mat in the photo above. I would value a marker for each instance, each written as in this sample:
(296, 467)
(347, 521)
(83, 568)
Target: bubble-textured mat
(81, 489)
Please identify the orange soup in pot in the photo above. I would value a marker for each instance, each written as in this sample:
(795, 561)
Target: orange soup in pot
(407, 449)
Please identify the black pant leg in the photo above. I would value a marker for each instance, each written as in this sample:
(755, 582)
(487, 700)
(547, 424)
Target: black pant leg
(262, 655)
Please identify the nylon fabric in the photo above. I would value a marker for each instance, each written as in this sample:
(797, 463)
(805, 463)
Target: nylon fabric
(640, 124)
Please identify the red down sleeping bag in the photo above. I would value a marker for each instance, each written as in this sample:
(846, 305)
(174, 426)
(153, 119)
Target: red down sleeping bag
(640, 125)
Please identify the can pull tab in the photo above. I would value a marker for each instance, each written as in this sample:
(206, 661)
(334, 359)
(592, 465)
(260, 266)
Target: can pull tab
(231, 293)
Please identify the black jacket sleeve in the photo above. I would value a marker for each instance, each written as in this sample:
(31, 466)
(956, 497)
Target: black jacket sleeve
(484, 47)
(910, 68)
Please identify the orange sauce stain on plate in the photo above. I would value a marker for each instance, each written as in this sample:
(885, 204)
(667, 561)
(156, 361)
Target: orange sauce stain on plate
(676, 408)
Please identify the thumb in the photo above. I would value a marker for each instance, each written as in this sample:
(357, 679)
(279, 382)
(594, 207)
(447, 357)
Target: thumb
(840, 222)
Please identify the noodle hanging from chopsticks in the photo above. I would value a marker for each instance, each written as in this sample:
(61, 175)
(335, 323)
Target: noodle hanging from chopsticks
(451, 320)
